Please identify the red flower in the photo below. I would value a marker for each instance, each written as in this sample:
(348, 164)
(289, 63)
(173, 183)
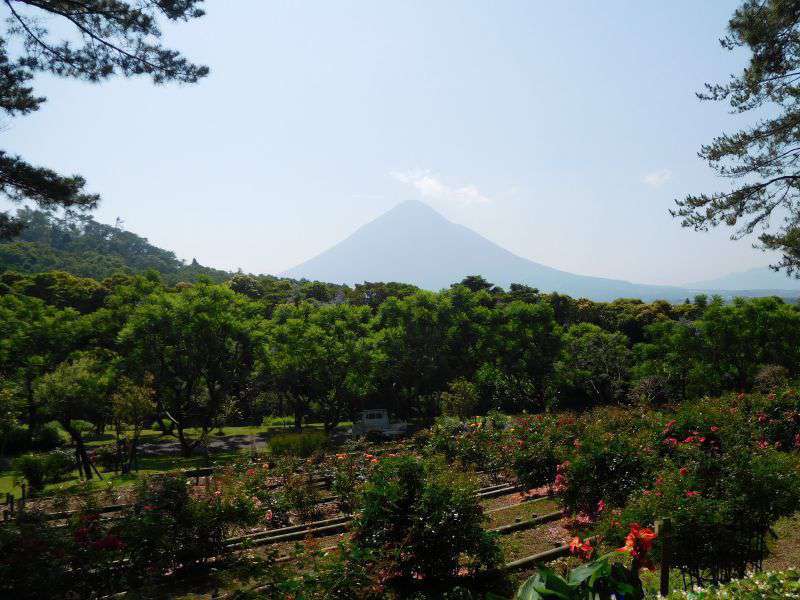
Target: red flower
(763, 444)
(581, 549)
(671, 442)
(691, 494)
(601, 506)
(148, 507)
(683, 471)
(251, 472)
(639, 541)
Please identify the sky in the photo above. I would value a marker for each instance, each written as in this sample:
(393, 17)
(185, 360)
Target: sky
(562, 131)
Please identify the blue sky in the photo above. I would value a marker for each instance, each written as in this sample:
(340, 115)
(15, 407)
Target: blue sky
(560, 130)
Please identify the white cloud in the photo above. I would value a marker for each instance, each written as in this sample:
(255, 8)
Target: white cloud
(431, 187)
(657, 178)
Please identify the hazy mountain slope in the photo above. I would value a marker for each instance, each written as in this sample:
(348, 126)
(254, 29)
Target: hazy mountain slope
(415, 244)
(760, 278)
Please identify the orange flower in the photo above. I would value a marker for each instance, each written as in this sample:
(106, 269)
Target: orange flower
(581, 549)
(639, 541)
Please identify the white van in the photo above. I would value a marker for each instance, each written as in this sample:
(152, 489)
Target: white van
(377, 420)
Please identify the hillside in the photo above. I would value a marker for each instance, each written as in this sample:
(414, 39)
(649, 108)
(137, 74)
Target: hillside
(87, 248)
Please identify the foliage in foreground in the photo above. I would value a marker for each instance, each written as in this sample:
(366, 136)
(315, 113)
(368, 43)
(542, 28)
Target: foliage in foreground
(761, 586)
(423, 521)
(166, 530)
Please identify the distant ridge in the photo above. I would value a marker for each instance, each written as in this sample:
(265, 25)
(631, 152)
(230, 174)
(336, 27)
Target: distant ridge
(760, 278)
(415, 244)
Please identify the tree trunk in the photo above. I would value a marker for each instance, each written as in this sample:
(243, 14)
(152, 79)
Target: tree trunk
(186, 446)
(85, 463)
(298, 417)
(32, 420)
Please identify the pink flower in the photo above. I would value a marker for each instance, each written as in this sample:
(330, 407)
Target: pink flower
(601, 506)
(714, 429)
(691, 494)
(763, 444)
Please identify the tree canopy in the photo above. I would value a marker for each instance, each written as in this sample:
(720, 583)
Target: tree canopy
(92, 40)
(763, 160)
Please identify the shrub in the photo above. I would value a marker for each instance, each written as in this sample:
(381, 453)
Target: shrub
(109, 456)
(35, 560)
(477, 443)
(167, 528)
(421, 519)
(537, 445)
(770, 378)
(275, 422)
(301, 445)
(460, 400)
(760, 586)
(14, 440)
(613, 458)
(48, 437)
(38, 469)
(32, 468)
(721, 505)
(58, 463)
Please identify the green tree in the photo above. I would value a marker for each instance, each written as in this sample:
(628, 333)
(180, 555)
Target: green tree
(320, 355)
(526, 341)
(594, 364)
(78, 389)
(199, 345)
(762, 159)
(92, 40)
(133, 406)
(34, 338)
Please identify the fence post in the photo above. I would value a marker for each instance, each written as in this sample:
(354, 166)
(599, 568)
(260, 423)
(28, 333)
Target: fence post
(664, 532)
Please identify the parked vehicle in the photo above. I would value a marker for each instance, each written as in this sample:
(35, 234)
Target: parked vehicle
(376, 422)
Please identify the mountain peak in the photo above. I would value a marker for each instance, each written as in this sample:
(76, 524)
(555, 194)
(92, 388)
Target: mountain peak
(413, 243)
(413, 209)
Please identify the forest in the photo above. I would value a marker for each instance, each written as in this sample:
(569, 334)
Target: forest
(251, 347)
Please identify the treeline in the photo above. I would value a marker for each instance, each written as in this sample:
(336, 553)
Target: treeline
(131, 349)
(82, 246)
